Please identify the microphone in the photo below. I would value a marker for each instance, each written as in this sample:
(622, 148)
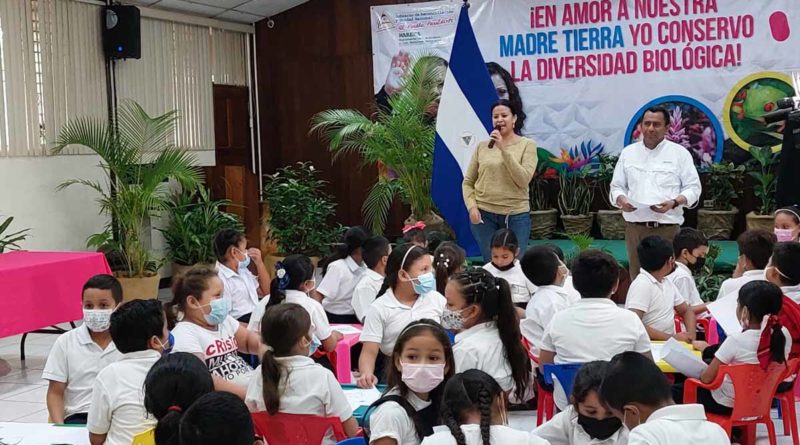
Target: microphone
(491, 142)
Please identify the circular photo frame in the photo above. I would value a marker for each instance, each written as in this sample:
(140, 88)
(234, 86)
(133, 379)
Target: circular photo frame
(748, 100)
(693, 125)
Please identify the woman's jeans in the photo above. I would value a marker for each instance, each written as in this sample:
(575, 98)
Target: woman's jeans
(520, 224)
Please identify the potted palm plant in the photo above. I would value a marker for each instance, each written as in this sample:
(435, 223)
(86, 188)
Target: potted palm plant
(300, 213)
(544, 217)
(11, 240)
(194, 220)
(762, 169)
(610, 220)
(574, 199)
(138, 160)
(715, 219)
(401, 137)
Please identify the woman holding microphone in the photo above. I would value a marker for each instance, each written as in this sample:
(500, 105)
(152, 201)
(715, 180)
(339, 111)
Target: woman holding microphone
(495, 186)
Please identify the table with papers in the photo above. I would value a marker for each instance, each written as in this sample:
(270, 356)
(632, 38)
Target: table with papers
(689, 362)
(43, 433)
(361, 399)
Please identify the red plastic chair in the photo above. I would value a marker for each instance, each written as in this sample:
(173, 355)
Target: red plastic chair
(755, 390)
(709, 326)
(296, 429)
(545, 404)
(788, 410)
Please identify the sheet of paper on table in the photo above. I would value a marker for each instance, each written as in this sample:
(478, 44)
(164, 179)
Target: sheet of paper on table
(361, 397)
(682, 359)
(724, 311)
(346, 329)
(38, 434)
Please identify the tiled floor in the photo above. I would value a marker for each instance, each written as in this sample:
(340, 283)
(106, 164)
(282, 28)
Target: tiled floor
(23, 392)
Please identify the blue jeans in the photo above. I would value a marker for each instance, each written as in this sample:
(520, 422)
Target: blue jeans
(520, 224)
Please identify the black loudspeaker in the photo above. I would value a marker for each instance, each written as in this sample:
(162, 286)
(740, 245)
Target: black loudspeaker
(122, 35)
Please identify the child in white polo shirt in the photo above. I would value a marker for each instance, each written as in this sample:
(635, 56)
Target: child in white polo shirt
(755, 248)
(288, 380)
(504, 264)
(340, 274)
(376, 252)
(654, 298)
(690, 247)
(637, 393)
(117, 412)
(409, 295)
(78, 355)
(545, 270)
(241, 288)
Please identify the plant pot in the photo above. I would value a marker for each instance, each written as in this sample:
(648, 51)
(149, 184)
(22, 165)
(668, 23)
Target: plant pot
(716, 224)
(755, 221)
(543, 223)
(145, 288)
(612, 224)
(577, 224)
(179, 269)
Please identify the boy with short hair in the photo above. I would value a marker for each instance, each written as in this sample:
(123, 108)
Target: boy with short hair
(755, 248)
(375, 252)
(543, 268)
(117, 413)
(690, 247)
(637, 393)
(653, 298)
(78, 355)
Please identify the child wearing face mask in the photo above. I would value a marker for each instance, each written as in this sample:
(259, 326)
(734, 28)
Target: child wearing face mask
(294, 280)
(505, 249)
(116, 410)
(474, 411)
(408, 294)
(340, 274)
(421, 363)
(205, 329)
(288, 380)
(787, 223)
(548, 273)
(587, 420)
(241, 288)
(638, 394)
(690, 247)
(479, 305)
(78, 355)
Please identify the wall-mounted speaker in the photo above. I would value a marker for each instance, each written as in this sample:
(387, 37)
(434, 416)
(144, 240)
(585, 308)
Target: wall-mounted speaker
(122, 34)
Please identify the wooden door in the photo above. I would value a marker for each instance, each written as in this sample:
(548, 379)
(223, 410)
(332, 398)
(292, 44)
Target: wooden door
(235, 175)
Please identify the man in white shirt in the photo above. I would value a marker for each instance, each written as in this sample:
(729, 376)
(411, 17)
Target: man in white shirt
(755, 248)
(653, 180)
(375, 252)
(637, 393)
(544, 269)
(116, 412)
(653, 298)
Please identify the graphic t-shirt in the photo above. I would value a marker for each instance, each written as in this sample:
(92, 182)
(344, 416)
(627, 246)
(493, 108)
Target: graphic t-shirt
(217, 348)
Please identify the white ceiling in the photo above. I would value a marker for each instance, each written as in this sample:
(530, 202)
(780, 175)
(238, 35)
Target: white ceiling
(242, 11)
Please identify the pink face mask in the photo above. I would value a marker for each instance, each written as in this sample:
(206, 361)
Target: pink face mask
(784, 235)
(422, 378)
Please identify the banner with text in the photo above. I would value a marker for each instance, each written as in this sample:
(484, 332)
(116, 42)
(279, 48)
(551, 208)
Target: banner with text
(584, 71)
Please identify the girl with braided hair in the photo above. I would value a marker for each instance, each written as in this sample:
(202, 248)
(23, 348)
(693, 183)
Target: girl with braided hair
(448, 259)
(480, 304)
(474, 411)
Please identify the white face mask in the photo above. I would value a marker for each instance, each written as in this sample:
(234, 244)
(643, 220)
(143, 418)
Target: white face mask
(97, 320)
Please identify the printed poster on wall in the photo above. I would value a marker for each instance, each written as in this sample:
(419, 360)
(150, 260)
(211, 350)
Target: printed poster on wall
(584, 71)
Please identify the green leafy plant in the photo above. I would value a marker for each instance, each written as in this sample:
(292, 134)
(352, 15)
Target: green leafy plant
(194, 220)
(724, 179)
(709, 282)
(601, 177)
(401, 137)
(138, 161)
(540, 187)
(576, 194)
(300, 211)
(762, 169)
(11, 240)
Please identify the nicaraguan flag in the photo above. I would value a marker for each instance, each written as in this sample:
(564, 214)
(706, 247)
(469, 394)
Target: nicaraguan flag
(463, 120)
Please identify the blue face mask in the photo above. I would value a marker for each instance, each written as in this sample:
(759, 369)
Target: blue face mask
(315, 344)
(167, 348)
(424, 283)
(219, 311)
(245, 262)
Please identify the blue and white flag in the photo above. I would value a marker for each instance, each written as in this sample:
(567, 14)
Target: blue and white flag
(464, 119)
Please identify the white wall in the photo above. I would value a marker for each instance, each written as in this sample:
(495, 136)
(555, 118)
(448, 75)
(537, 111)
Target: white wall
(58, 220)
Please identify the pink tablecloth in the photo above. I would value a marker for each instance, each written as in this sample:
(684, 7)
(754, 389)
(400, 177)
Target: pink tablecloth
(40, 289)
